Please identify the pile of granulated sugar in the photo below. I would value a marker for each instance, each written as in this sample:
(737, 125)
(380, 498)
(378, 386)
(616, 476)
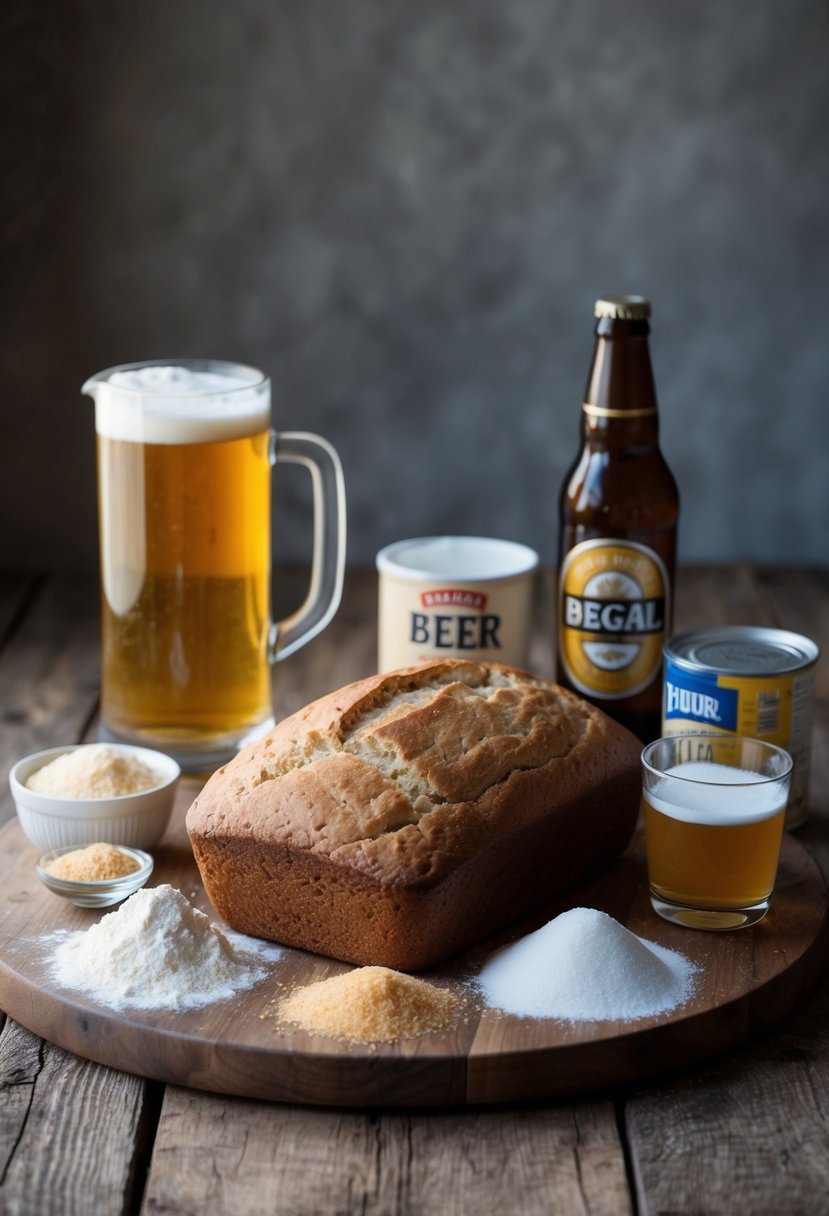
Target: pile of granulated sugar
(371, 1005)
(158, 952)
(585, 966)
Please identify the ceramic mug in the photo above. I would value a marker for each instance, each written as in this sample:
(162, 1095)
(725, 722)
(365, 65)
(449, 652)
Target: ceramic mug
(455, 597)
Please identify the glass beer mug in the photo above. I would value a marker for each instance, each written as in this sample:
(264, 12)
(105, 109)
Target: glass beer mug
(185, 450)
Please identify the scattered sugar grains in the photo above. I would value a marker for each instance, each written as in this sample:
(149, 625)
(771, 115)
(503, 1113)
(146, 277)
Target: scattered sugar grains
(96, 771)
(95, 863)
(371, 1005)
(585, 966)
(157, 952)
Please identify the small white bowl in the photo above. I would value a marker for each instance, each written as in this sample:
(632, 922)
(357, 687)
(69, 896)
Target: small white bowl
(100, 892)
(136, 820)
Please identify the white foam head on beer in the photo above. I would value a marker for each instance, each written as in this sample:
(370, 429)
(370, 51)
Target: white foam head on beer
(159, 404)
(716, 794)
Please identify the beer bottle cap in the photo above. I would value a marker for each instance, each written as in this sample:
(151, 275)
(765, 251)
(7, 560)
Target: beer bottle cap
(623, 308)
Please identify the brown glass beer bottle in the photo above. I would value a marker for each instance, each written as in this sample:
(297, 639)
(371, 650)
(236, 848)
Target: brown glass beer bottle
(618, 514)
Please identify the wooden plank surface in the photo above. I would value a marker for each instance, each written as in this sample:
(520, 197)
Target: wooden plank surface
(289, 1161)
(750, 1134)
(49, 674)
(747, 1133)
(74, 1136)
(70, 1131)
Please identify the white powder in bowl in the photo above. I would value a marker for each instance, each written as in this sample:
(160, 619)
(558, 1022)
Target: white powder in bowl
(93, 771)
(158, 952)
(585, 966)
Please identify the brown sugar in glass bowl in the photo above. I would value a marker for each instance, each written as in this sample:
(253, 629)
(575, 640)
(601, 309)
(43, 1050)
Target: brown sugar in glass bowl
(90, 892)
(95, 863)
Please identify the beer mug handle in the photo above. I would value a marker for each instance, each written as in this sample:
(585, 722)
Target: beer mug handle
(328, 563)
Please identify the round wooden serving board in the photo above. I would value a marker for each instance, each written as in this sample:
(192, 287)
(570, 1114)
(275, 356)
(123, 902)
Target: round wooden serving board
(748, 980)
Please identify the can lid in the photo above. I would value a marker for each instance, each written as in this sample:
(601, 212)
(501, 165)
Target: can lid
(743, 651)
(623, 308)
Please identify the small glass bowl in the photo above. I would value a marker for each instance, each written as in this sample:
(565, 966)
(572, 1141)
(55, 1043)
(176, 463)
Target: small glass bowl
(101, 892)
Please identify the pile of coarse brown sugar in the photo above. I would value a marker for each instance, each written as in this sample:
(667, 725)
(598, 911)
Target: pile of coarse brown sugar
(94, 771)
(95, 863)
(371, 1005)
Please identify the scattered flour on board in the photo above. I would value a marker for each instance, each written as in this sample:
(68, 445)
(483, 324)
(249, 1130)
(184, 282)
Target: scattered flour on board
(159, 952)
(584, 966)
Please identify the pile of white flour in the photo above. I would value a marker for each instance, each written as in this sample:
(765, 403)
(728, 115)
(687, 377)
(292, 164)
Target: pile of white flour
(585, 966)
(158, 952)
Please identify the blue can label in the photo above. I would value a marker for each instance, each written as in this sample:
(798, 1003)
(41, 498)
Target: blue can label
(772, 705)
(698, 697)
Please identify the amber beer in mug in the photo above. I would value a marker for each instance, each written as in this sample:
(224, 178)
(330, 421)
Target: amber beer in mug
(185, 452)
(715, 809)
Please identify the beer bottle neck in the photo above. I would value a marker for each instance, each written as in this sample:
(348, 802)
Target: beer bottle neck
(620, 399)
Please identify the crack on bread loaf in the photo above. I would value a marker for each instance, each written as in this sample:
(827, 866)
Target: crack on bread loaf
(454, 743)
(280, 757)
(406, 748)
(398, 694)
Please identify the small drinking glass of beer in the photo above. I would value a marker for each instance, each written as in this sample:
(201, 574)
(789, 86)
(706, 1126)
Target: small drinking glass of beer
(714, 807)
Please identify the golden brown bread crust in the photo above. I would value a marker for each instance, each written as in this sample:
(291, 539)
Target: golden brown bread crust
(409, 815)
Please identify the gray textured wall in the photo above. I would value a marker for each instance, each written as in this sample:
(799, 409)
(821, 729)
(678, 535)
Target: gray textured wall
(403, 212)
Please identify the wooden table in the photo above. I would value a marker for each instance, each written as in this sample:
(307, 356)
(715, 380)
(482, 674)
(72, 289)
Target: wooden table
(748, 1133)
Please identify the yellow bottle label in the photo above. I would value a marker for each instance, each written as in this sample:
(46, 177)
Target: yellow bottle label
(613, 616)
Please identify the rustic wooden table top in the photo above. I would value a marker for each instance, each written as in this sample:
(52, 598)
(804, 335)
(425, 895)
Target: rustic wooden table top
(745, 1133)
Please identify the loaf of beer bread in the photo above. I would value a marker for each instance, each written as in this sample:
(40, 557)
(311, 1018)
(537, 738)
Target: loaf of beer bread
(412, 814)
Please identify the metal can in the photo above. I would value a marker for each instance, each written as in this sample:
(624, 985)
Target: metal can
(745, 680)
